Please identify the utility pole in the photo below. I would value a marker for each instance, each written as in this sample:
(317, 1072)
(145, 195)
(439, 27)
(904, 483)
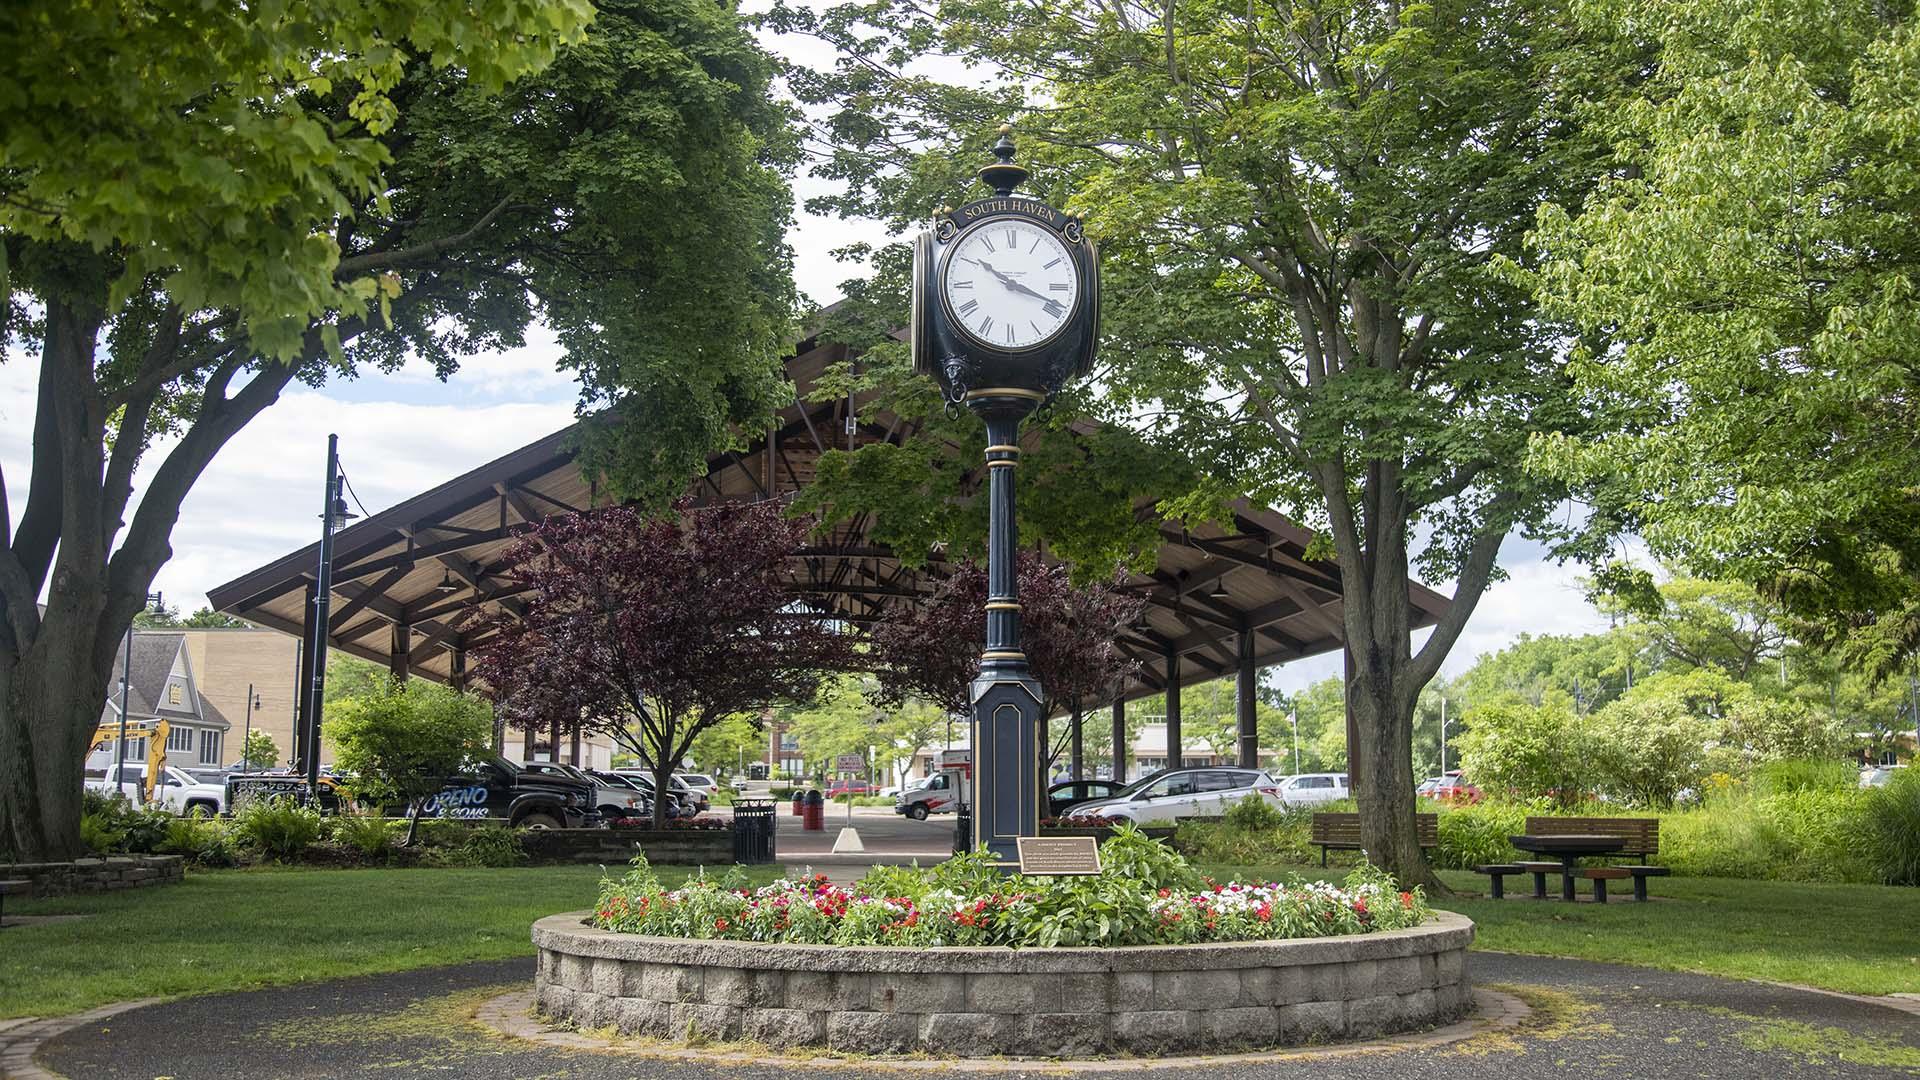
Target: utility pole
(126, 682)
(333, 508)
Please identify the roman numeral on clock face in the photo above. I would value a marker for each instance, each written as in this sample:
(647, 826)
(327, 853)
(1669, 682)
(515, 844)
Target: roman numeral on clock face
(986, 327)
(1054, 308)
(1056, 286)
(967, 308)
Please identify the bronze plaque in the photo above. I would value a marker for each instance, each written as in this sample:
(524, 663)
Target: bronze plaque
(1059, 856)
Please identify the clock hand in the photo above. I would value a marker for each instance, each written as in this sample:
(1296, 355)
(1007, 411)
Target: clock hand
(1007, 281)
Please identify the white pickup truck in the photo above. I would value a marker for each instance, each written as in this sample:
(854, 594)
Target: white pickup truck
(178, 791)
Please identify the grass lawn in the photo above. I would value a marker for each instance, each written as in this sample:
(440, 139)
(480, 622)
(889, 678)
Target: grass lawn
(237, 930)
(1854, 938)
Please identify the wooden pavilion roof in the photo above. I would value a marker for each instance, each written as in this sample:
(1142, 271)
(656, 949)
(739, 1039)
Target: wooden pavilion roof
(390, 568)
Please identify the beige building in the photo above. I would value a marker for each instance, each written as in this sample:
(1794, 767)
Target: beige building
(226, 662)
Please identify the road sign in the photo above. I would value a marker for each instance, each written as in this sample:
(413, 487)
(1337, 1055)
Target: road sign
(850, 763)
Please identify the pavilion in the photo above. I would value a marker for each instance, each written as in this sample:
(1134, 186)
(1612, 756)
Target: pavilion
(417, 586)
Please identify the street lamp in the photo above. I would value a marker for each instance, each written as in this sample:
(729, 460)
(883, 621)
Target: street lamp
(333, 508)
(1005, 311)
(246, 733)
(153, 601)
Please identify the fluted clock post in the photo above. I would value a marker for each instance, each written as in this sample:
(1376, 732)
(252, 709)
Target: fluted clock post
(1005, 311)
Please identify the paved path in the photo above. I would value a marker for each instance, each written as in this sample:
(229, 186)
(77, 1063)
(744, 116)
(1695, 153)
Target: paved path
(1590, 1020)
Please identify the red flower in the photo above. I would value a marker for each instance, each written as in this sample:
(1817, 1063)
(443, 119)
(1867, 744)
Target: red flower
(1406, 900)
(719, 924)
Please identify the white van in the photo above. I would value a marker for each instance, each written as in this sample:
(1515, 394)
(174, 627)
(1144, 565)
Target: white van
(941, 793)
(1313, 789)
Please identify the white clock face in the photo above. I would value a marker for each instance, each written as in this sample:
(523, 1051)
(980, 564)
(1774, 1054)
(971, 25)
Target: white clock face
(1010, 283)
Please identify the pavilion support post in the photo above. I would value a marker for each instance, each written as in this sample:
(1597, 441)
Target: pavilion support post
(1176, 746)
(1245, 689)
(398, 656)
(1076, 745)
(1119, 738)
(458, 671)
(303, 701)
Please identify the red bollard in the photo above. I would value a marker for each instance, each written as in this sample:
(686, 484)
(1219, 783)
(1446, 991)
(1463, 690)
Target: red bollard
(815, 818)
(799, 803)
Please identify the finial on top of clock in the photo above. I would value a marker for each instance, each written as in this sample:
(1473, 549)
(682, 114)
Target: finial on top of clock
(1003, 175)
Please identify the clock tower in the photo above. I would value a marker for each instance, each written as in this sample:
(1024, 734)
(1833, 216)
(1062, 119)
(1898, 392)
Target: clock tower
(1006, 309)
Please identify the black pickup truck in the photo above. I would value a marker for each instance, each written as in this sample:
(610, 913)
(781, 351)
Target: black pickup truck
(526, 800)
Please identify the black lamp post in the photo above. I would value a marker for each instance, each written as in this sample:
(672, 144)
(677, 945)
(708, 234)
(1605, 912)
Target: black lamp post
(332, 509)
(1005, 312)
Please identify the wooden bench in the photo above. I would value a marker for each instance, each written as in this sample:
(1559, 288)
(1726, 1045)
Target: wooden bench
(1497, 876)
(1642, 835)
(1600, 875)
(1342, 832)
(9, 888)
(1540, 870)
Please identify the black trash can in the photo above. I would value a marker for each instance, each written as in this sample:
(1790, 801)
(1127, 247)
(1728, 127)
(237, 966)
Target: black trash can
(753, 832)
(962, 830)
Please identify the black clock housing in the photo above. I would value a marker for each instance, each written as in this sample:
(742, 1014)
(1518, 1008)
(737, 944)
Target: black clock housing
(962, 364)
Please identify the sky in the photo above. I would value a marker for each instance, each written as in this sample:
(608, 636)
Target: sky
(404, 432)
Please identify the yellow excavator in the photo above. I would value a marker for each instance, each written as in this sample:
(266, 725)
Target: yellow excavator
(155, 732)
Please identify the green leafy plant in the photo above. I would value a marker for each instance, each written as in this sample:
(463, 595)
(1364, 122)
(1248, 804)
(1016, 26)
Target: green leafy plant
(1801, 774)
(1890, 828)
(486, 845)
(202, 842)
(277, 828)
(369, 834)
(1475, 835)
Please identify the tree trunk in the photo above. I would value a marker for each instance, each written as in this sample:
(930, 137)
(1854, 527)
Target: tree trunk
(50, 701)
(662, 788)
(413, 822)
(1381, 769)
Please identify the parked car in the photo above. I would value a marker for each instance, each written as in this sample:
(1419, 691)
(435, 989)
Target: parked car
(525, 797)
(1068, 794)
(702, 785)
(850, 787)
(1450, 788)
(178, 790)
(941, 793)
(691, 802)
(1313, 789)
(1178, 793)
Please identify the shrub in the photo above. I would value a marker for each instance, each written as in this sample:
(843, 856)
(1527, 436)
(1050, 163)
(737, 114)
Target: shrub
(1807, 835)
(1255, 812)
(98, 832)
(369, 834)
(277, 828)
(109, 824)
(1890, 828)
(202, 842)
(486, 845)
(1801, 774)
(1475, 835)
(1530, 751)
(1249, 837)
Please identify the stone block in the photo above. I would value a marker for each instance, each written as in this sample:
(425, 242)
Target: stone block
(965, 1034)
(591, 1010)
(902, 992)
(556, 1001)
(743, 987)
(783, 1028)
(1132, 989)
(1238, 1029)
(1449, 967)
(670, 983)
(607, 976)
(1079, 992)
(1374, 978)
(830, 991)
(1064, 1035)
(643, 1019)
(1377, 1014)
(1310, 1022)
(872, 1032)
(139, 873)
(1196, 989)
(1000, 993)
(713, 1023)
(1418, 1009)
(1151, 1032)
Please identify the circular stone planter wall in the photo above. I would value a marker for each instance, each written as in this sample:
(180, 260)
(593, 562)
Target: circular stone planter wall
(1143, 1000)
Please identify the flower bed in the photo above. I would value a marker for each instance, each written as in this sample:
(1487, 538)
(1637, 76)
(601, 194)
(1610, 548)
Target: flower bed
(1144, 895)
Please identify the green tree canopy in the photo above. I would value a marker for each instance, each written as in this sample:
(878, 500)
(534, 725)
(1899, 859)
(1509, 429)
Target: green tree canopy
(1747, 277)
(1301, 209)
(199, 206)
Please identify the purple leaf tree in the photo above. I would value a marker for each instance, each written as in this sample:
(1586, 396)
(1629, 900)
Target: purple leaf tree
(652, 629)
